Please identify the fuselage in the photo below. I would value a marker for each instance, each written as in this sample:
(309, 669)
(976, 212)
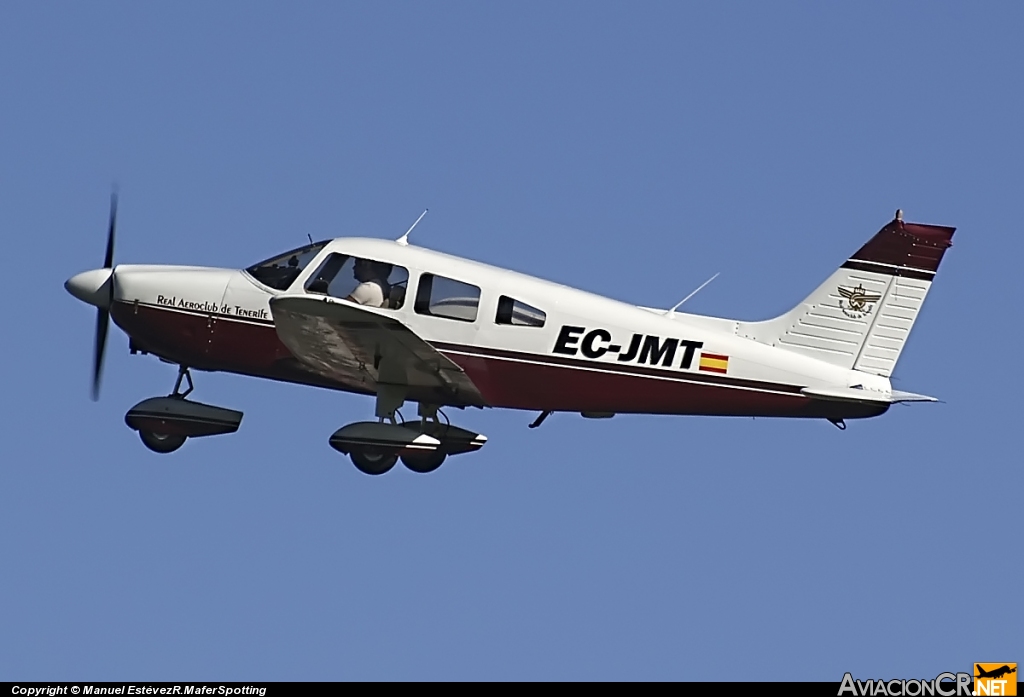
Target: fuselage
(569, 350)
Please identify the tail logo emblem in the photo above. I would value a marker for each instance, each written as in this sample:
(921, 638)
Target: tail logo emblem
(858, 302)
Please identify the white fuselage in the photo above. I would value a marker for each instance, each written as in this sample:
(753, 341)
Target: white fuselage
(591, 354)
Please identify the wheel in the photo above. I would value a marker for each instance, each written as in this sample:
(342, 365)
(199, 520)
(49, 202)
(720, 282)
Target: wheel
(161, 443)
(424, 463)
(373, 461)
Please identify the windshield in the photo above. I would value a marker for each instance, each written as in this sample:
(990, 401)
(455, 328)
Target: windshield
(281, 271)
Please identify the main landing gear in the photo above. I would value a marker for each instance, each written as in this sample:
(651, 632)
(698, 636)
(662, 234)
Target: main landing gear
(379, 460)
(165, 423)
(376, 446)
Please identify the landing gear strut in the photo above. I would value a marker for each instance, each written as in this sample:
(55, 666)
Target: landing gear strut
(370, 460)
(183, 373)
(427, 462)
(164, 442)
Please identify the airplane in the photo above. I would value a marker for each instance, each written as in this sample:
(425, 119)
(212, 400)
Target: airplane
(405, 324)
(995, 673)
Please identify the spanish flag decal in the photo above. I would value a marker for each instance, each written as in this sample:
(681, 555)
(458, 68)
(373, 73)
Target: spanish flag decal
(714, 363)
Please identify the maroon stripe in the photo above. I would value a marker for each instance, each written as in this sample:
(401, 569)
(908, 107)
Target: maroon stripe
(254, 349)
(890, 271)
(907, 245)
(634, 370)
(245, 347)
(199, 313)
(547, 387)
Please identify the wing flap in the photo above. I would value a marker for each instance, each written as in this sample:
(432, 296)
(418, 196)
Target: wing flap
(367, 346)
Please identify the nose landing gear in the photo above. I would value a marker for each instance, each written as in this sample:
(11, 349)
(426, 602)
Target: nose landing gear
(161, 442)
(165, 423)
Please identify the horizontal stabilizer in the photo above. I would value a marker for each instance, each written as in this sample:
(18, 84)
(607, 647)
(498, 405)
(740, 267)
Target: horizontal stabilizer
(847, 394)
(898, 396)
(857, 394)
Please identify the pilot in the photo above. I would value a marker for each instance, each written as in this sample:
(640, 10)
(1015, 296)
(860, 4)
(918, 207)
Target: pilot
(373, 289)
(290, 272)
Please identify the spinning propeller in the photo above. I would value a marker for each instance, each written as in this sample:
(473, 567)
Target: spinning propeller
(103, 311)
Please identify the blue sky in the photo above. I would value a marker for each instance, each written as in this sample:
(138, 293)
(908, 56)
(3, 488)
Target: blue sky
(629, 149)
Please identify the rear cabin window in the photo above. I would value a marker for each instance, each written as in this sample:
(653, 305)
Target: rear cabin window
(518, 313)
(438, 296)
(364, 281)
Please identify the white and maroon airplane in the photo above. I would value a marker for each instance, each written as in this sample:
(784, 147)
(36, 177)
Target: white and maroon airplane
(407, 324)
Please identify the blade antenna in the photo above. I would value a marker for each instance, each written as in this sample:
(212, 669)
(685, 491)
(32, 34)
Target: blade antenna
(404, 239)
(698, 289)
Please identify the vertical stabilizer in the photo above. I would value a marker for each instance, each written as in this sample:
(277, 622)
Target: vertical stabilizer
(861, 316)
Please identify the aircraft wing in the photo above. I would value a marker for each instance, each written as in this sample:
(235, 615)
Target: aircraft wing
(365, 346)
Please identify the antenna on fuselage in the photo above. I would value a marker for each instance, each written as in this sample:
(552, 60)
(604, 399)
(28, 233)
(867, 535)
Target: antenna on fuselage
(699, 289)
(404, 239)
(310, 238)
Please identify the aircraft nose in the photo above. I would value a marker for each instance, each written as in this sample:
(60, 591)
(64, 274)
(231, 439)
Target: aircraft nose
(91, 287)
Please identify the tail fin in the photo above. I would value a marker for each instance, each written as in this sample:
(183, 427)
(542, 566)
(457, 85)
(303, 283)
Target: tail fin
(861, 316)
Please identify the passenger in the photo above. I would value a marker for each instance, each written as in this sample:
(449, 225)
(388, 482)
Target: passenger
(373, 289)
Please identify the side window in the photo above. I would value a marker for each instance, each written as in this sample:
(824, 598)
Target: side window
(518, 313)
(363, 281)
(438, 296)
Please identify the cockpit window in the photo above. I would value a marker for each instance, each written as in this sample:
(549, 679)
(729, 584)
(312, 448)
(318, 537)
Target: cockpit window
(518, 313)
(281, 271)
(359, 280)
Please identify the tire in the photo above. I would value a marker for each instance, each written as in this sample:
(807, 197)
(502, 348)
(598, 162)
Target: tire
(161, 443)
(424, 463)
(373, 462)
